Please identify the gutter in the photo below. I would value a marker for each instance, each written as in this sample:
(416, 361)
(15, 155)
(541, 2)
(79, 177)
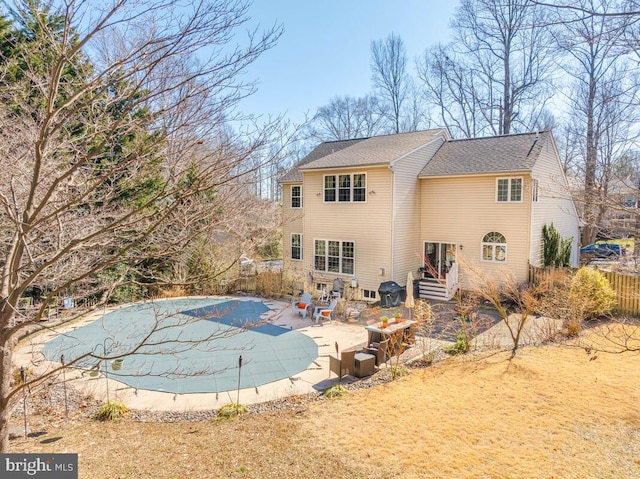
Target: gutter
(484, 173)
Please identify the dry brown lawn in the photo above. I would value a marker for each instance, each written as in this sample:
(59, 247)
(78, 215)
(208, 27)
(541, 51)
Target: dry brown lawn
(552, 412)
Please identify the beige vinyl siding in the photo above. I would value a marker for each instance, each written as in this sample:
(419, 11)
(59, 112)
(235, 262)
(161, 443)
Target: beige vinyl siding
(554, 205)
(367, 224)
(407, 249)
(462, 210)
(293, 270)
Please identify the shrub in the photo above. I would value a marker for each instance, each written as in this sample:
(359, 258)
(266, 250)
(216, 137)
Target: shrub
(461, 345)
(232, 410)
(558, 303)
(335, 391)
(174, 291)
(16, 377)
(399, 370)
(125, 283)
(573, 325)
(556, 251)
(591, 291)
(111, 411)
(422, 311)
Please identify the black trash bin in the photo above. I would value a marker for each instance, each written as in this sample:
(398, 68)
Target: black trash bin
(391, 294)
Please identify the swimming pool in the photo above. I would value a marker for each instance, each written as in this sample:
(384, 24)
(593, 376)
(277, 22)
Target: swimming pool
(189, 345)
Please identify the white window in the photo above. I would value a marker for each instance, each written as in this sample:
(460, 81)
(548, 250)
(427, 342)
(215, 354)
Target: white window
(369, 294)
(509, 190)
(296, 246)
(296, 196)
(334, 256)
(494, 247)
(534, 190)
(345, 188)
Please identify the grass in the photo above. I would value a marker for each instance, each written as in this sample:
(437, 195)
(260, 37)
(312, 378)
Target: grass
(553, 411)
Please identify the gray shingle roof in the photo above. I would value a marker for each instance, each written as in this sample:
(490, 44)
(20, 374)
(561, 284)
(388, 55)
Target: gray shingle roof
(496, 154)
(323, 149)
(376, 150)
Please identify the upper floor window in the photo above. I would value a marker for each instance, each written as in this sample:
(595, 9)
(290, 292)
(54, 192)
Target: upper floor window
(345, 188)
(296, 246)
(509, 190)
(494, 247)
(296, 196)
(334, 256)
(534, 190)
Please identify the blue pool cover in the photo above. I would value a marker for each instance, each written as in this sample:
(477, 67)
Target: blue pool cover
(189, 345)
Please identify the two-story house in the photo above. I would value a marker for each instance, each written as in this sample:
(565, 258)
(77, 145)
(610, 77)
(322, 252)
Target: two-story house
(370, 210)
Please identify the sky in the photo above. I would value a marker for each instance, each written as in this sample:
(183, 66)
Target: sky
(325, 50)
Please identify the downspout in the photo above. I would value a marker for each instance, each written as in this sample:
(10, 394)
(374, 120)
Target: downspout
(530, 206)
(530, 219)
(393, 220)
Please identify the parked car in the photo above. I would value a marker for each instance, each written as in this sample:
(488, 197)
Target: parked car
(602, 251)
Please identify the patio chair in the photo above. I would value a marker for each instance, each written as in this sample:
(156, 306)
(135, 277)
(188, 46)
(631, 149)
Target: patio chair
(380, 351)
(325, 312)
(324, 296)
(343, 366)
(303, 305)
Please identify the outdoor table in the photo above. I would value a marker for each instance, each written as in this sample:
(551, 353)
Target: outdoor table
(377, 333)
(365, 365)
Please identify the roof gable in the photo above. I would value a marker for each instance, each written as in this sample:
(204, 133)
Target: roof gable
(496, 154)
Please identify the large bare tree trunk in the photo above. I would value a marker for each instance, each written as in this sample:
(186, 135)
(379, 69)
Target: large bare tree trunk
(590, 229)
(5, 387)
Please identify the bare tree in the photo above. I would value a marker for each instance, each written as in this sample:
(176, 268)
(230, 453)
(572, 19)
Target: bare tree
(506, 295)
(416, 115)
(497, 70)
(389, 76)
(114, 143)
(601, 98)
(626, 8)
(346, 118)
(453, 91)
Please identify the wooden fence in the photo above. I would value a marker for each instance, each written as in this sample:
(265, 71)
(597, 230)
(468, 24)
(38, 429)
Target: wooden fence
(266, 283)
(626, 286)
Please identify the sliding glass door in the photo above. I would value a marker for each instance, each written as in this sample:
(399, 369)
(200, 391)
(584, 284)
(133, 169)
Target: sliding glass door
(438, 258)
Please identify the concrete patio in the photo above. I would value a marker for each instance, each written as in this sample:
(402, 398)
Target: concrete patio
(314, 379)
(326, 334)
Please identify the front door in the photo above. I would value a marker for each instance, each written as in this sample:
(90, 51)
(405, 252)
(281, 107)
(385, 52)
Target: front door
(438, 258)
